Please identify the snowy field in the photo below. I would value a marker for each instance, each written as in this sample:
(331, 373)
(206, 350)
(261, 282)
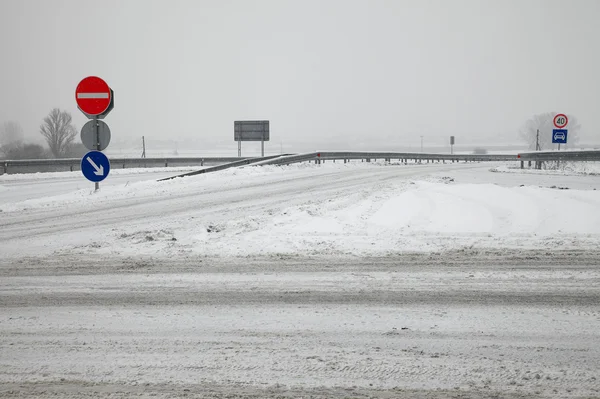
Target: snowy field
(335, 280)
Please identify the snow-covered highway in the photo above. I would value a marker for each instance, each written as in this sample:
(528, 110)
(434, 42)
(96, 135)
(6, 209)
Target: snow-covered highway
(356, 280)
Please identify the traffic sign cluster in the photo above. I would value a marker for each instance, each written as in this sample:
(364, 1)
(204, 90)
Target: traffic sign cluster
(559, 135)
(95, 99)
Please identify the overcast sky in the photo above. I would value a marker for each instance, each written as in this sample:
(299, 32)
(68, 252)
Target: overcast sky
(326, 73)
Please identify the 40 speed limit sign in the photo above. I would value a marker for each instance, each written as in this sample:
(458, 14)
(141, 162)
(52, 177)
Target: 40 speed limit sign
(560, 121)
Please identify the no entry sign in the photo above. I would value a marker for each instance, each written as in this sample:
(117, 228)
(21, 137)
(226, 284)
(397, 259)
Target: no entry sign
(93, 95)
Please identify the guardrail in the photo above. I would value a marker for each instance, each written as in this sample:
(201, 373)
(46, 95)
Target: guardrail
(586, 155)
(387, 156)
(235, 164)
(71, 164)
(405, 156)
(539, 157)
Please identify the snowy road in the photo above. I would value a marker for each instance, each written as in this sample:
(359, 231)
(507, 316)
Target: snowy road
(358, 280)
(420, 326)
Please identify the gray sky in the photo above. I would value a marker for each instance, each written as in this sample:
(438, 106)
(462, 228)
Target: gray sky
(328, 73)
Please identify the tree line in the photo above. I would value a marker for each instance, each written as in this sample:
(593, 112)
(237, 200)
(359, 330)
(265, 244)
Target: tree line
(58, 132)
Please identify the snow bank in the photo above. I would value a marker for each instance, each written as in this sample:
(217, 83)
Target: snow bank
(424, 216)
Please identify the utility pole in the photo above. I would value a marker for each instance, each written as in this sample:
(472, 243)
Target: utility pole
(143, 147)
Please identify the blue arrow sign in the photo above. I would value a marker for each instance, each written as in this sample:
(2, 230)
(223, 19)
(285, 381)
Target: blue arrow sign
(95, 166)
(559, 136)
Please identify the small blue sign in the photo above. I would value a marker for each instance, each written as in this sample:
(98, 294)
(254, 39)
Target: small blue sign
(95, 166)
(559, 136)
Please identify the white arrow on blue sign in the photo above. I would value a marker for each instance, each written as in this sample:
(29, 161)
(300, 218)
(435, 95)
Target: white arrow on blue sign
(95, 166)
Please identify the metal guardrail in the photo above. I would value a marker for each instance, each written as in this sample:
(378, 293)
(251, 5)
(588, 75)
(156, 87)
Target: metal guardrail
(228, 165)
(586, 155)
(417, 156)
(290, 159)
(71, 164)
(55, 165)
(388, 156)
(368, 156)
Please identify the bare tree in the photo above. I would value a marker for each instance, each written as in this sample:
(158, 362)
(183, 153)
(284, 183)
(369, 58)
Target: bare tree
(58, 131)
(10, 132)
(545, 124)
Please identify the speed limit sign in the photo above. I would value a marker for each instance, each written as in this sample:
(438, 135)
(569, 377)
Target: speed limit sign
(561, 121)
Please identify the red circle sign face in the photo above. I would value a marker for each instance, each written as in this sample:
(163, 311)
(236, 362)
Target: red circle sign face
(92, 95)
(561, 121)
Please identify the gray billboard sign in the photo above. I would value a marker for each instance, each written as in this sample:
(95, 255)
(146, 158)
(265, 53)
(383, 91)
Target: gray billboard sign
(251, 130)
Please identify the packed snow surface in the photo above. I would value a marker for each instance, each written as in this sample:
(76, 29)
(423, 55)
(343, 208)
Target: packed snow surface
(324, 281)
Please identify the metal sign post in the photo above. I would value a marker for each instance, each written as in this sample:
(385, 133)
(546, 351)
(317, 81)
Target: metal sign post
(559, 135)
(97, 184)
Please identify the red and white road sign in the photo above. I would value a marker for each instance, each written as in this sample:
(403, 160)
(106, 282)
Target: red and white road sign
(560, 121)
(93, 95)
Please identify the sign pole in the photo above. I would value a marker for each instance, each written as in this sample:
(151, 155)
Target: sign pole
(262, 146)
(239, 148)
(97, 184)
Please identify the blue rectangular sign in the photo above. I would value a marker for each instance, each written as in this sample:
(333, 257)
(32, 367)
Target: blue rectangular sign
(559, 136)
